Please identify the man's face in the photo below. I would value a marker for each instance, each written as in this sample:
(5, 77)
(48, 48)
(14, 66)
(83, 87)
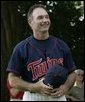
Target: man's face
(40, 20)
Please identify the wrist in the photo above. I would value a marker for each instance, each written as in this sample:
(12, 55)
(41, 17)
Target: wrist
(30, 87)
(33, 87)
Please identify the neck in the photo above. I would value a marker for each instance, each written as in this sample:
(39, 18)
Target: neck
(41, 35)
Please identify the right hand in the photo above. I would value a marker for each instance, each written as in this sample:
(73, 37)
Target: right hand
(40, 87)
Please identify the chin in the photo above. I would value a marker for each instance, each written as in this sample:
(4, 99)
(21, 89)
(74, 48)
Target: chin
(44, 29)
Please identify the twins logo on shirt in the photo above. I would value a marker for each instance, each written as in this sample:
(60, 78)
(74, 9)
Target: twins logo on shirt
(40, 68)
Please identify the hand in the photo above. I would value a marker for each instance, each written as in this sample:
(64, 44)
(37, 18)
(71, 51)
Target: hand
(57, 92)
(40, 87)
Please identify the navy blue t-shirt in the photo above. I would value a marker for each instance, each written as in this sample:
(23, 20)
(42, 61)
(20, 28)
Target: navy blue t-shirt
(31, 58)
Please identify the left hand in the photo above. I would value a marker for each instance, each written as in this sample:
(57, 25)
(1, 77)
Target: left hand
(57, 92)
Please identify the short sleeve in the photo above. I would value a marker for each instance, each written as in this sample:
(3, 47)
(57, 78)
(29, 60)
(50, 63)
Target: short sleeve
(68, 60)
(67, 55)
(16, 62)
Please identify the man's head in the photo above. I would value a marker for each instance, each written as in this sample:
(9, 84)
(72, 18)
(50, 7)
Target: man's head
(38, 18)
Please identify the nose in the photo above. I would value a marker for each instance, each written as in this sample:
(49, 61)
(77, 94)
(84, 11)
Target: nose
(45, 20)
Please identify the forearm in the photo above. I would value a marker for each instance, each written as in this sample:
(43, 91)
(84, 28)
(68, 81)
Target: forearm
(70, 80)
(63, 89)
(18, 83)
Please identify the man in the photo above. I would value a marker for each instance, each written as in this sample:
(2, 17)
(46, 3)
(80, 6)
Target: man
(32, 57)
(77, 91)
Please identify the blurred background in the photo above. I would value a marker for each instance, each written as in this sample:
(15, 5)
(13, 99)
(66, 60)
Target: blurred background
(67, 19)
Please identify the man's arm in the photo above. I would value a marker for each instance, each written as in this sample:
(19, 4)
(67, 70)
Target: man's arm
(70, 81)
(18, 83)
(63, 89)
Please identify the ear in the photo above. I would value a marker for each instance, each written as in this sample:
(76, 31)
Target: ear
(29, 22)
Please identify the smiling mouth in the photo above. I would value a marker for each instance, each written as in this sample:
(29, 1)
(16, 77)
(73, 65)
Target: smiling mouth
(44, 24)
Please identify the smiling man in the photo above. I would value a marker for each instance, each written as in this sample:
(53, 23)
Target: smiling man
(34, 56)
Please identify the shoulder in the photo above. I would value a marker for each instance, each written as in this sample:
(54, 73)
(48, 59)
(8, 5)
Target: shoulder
(21, 45)
(60, 43)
